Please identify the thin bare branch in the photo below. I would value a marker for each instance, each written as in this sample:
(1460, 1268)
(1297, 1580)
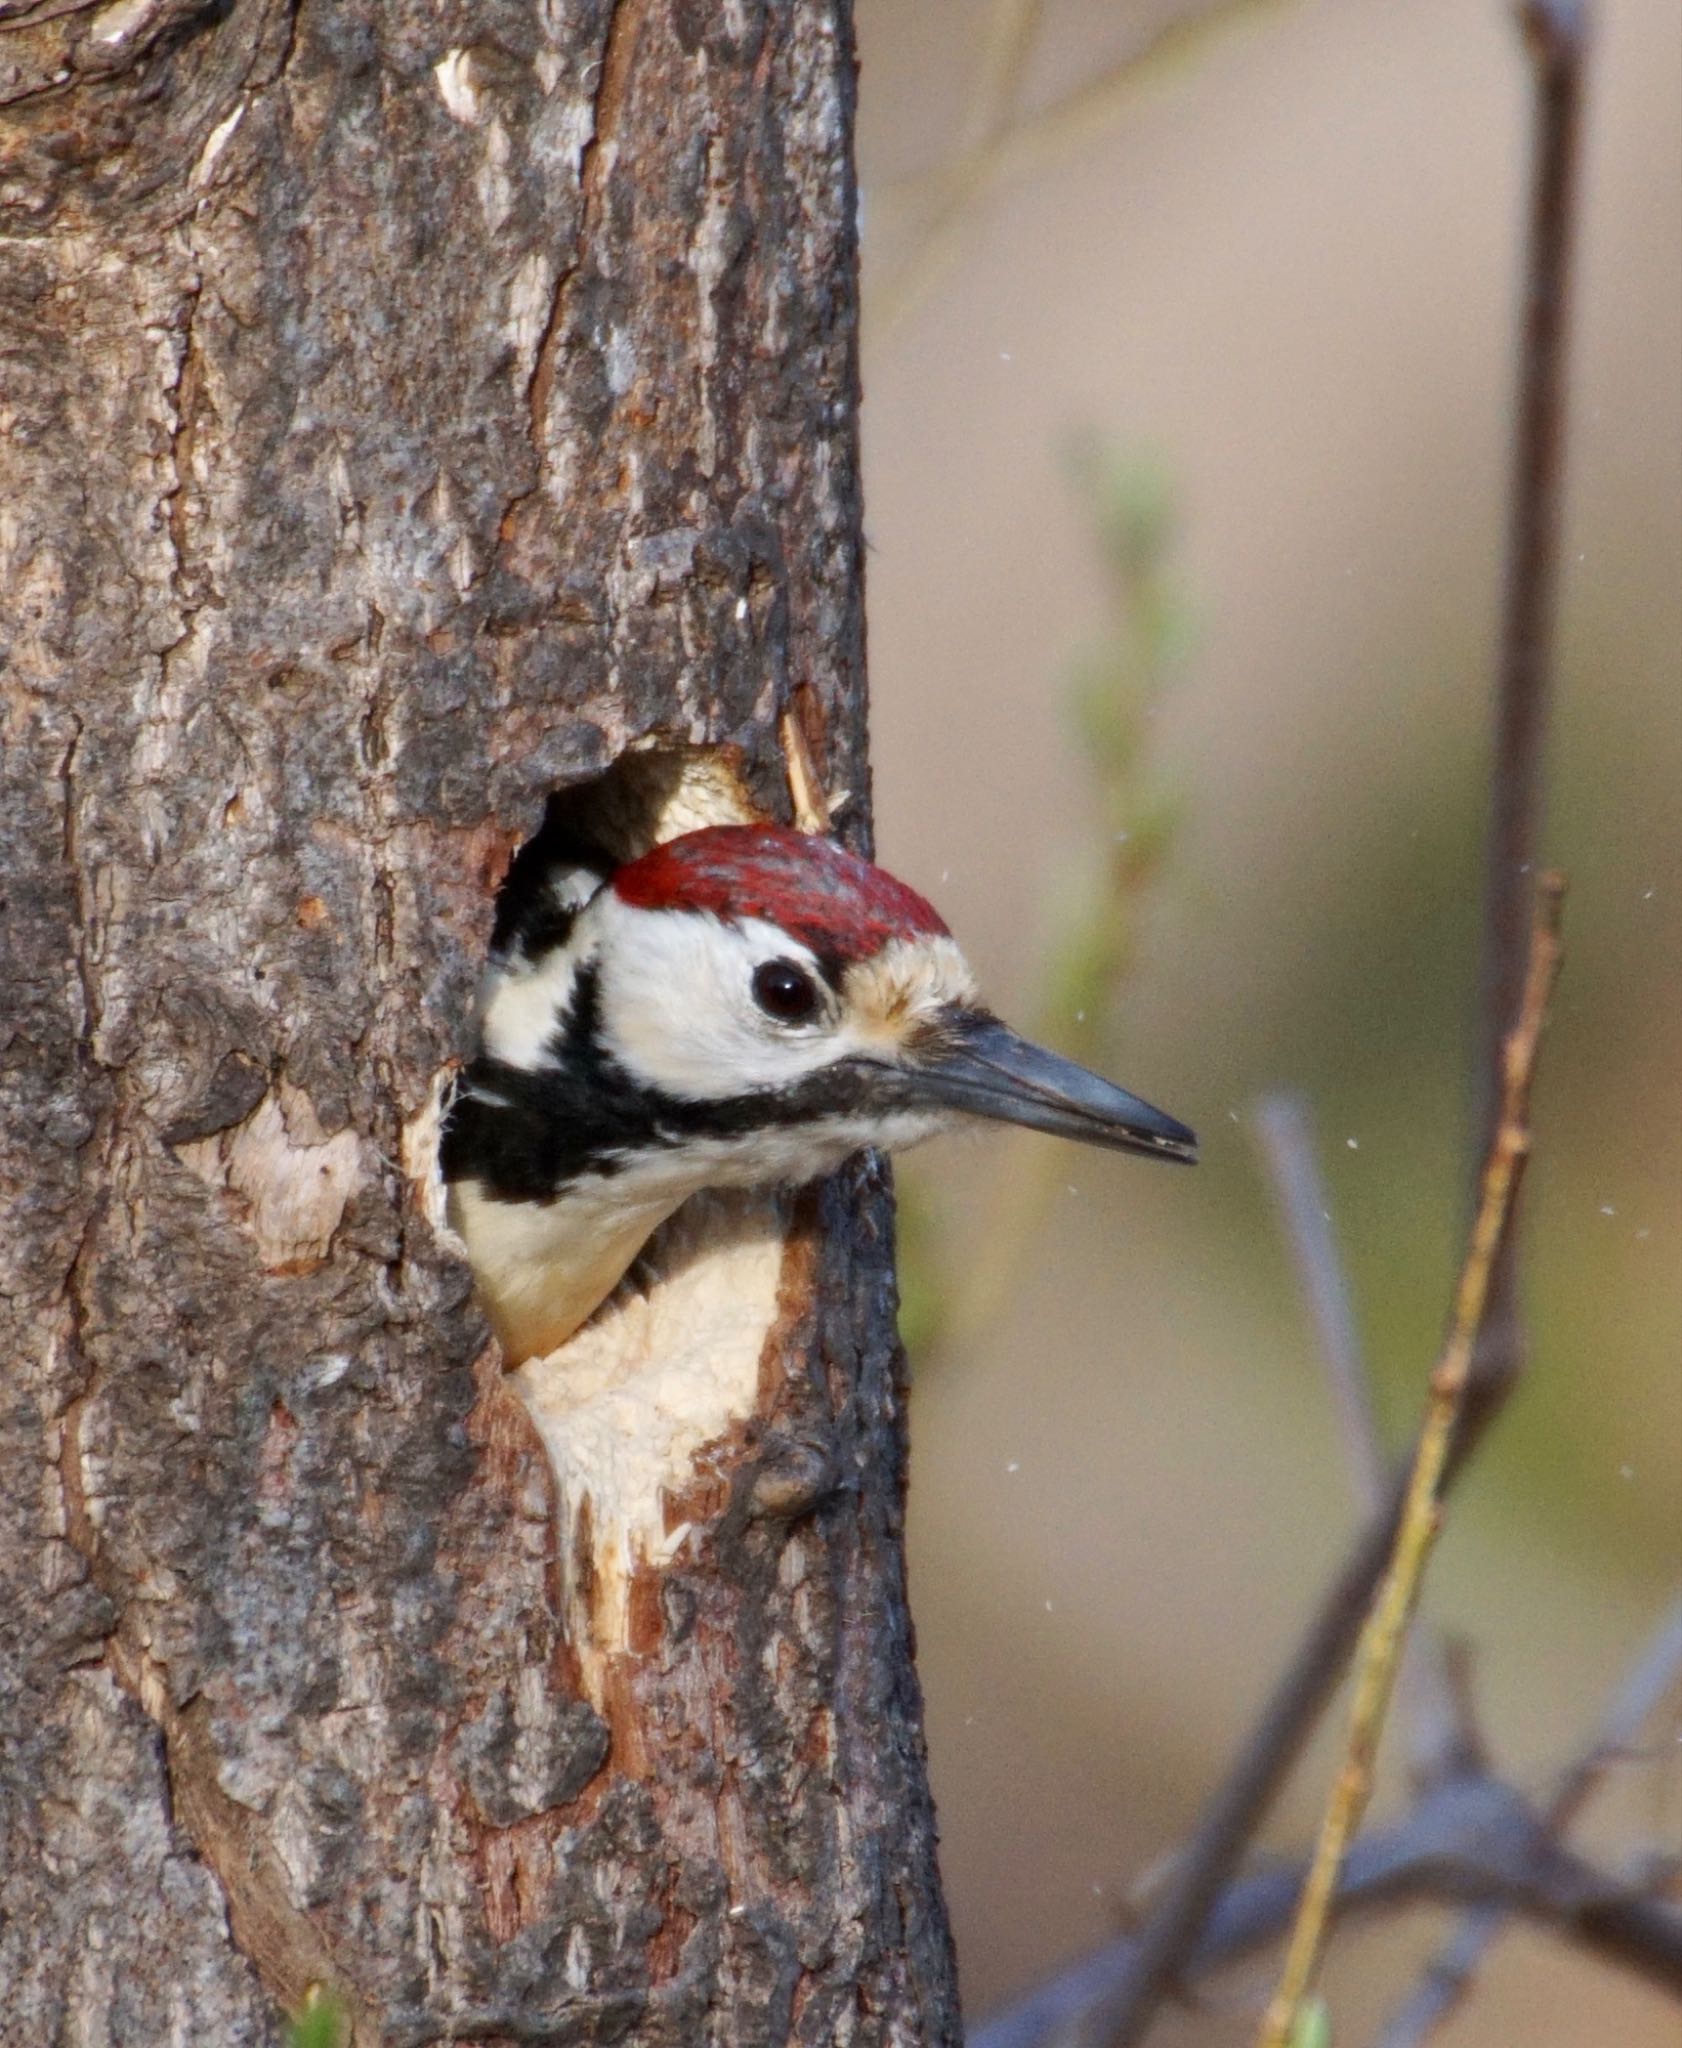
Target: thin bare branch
(1556, 37)
(1381, 1642)
(1446, 1978)
(1006, 47)
(1442, 1732)
(1155, 1963)
(1300, 1696)
(1091, 108)
(1449, 1974)
(1288, 1718)
(1469, 1840)
(1285, 1138)
(1651, 1680)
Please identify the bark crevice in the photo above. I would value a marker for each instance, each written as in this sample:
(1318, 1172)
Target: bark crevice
(299, 646)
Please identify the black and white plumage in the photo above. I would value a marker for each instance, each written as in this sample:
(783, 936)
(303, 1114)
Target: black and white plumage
(743, 1006)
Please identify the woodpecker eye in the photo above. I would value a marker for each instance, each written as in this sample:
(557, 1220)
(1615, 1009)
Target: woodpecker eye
(785, 992)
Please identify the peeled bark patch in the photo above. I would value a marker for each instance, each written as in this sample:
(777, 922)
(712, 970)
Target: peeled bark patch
(288, 1180)
(409, 412)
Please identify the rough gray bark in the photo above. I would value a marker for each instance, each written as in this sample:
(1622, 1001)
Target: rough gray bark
(406, 408)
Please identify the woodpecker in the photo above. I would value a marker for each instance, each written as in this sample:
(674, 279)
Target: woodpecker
(742, 1006)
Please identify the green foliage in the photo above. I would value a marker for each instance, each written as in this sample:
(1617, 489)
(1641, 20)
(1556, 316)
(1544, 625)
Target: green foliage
(322, 2021)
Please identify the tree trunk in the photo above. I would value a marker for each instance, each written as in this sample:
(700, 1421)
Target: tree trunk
(408, 410)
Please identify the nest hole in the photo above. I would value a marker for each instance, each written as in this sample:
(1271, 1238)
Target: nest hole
(670, 1363)
(646, 796)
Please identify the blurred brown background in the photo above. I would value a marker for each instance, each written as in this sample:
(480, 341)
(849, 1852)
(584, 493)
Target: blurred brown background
(1286, 271)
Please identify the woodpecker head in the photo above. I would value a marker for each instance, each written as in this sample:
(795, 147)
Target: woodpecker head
(743, 1006)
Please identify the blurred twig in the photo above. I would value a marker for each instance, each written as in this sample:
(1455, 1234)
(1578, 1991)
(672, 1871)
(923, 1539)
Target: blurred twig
(1285, 1139)
(1157, 1960)
(1450, 1972)
(1556, 37)
(1289, 1716)
(1006, 45)
(1286, 1722)
(994, 146)
(1443, 1738)
(1469, 1839)
(1654, 1674)
(1381, 1642)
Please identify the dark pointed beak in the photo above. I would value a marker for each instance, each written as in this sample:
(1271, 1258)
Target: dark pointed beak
(980, 1066)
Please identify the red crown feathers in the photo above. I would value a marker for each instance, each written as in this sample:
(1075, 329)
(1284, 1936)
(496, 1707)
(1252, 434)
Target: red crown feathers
(830, 900)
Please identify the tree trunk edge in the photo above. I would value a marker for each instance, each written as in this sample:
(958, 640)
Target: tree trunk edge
(408, 414)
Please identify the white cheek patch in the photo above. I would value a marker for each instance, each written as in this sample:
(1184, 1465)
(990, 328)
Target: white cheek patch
(678, 1007)
(677, 1004)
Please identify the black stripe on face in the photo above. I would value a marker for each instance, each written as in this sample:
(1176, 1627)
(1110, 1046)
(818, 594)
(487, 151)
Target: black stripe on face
(587, 1115)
